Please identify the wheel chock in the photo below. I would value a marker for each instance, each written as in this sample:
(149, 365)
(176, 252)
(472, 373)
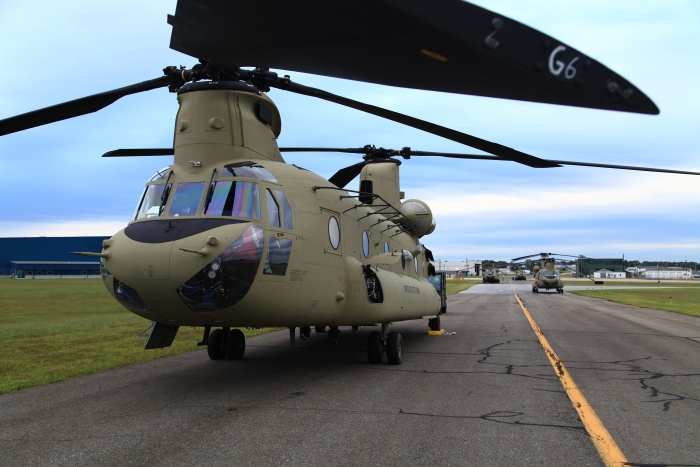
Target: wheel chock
(436, 333)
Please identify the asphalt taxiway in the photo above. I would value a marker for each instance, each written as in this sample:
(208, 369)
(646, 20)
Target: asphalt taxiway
(486, 395)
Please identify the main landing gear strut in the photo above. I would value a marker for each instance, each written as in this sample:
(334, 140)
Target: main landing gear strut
(385, 342)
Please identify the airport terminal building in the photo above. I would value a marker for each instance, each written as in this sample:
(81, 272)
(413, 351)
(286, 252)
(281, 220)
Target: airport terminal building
(49, 257)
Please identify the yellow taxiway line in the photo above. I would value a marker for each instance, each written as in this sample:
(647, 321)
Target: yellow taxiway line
(609, 452)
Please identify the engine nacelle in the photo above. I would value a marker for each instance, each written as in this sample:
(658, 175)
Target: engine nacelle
(417, 212)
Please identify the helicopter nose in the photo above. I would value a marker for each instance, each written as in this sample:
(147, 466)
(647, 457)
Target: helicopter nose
(227, 277)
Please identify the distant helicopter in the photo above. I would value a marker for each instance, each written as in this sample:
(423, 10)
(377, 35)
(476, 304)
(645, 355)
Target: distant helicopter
(490, 274)
(228, 235)
(519, 273)
(546, 276)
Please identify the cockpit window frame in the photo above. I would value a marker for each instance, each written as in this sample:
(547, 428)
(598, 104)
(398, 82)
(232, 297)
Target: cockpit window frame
(255, 171)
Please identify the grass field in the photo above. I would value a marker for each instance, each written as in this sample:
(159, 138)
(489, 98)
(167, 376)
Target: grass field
(454, 286)
(52, 330)
(685, 300)
(638, 283)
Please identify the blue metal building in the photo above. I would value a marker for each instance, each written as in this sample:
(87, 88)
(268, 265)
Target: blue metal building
(31, 257)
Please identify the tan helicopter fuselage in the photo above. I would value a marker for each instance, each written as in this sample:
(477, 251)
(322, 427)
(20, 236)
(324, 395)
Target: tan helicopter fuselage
(547, 277)
(490, 277)
(277, 250)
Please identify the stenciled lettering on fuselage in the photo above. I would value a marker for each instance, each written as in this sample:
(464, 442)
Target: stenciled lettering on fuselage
(411, 289)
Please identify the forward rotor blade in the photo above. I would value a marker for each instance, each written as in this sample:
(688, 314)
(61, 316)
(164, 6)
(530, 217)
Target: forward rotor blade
(140, 152)
(345, 175)
(77, 107)
(529, 256)
(346, 150)
(436, 45)
(499, 150)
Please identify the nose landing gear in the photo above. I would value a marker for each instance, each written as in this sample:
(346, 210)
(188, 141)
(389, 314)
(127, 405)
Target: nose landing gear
(334, 334)
(225, 343)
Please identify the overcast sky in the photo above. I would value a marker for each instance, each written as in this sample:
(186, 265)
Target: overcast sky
(54, 182)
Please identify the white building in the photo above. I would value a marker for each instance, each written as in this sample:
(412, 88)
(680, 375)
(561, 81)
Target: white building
(658, 272)
(606, 274)
(472, 267)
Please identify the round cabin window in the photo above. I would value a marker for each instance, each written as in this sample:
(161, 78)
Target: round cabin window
(365, 243)
(334, 232)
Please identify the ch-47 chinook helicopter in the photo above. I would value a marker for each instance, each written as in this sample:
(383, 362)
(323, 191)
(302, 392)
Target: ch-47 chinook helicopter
(519, 273)
(546, 276)
(490, 274)
(229, 235)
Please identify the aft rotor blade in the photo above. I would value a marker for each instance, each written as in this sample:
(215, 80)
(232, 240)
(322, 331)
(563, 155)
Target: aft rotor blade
(528, 256)
(626, 167)
(345, 175)
(487, 157)
(561, 163)
(499, 150)
(77, 107)
(140, 152)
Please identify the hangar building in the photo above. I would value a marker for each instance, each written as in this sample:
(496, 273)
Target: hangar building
(44, 257)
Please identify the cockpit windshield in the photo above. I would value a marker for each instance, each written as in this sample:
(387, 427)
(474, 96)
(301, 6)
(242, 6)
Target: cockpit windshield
(233, 198)
(550, 274)
(186, 199)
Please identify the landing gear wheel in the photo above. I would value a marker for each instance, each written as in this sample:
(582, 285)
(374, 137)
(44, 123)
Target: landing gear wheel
(304, 333)
(320, 328)
(560, 290)
(375, 349)
(434, 323)
(235, 345)
(215, 346)
(394, 345)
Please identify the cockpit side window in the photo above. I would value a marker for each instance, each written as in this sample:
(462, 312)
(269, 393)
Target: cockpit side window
(286, 209)
(273, 210)
(233, 198)
(186, 199)
(278, 252)
(152, 202)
